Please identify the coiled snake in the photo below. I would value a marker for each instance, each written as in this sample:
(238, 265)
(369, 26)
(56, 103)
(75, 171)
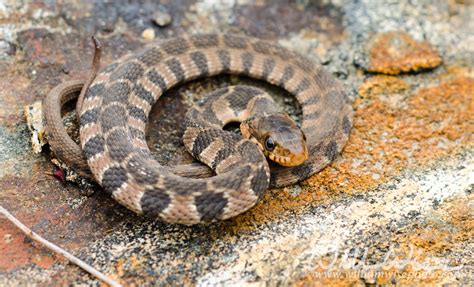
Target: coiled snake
(115, 111)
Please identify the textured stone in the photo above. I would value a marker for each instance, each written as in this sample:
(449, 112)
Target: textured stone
(162, 18)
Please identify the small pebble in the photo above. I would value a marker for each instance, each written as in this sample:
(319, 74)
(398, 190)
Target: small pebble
(6, 49)
(148, 34)
(7, 238)
(294, 190)
(161, 18)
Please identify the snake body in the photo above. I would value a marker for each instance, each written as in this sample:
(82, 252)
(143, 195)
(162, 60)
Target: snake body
(116, 107)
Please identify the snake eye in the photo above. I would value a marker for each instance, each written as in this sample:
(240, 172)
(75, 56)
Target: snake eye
(269, 144)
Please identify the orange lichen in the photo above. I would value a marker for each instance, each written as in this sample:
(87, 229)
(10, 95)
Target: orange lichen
(419, 253)
(385, 139)
(328, 280)
(395, 52)
(434, 122)
(378, 85)
(125, 266)
(453, 223)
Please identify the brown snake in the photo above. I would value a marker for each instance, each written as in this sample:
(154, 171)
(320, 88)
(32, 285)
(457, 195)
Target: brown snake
(116, 107)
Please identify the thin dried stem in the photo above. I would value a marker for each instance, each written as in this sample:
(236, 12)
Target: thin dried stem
(51, 246)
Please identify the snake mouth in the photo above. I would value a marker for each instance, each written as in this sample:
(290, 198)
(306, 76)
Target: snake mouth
(288, 161)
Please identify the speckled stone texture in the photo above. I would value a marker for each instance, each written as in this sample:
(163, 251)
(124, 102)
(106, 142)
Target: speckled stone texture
(395, 208)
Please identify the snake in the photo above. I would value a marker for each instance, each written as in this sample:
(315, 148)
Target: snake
(115, 108)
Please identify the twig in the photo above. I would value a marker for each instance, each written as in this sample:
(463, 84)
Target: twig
(51, 246)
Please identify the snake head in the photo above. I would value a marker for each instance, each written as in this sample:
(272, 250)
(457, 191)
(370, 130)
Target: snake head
(279, 138)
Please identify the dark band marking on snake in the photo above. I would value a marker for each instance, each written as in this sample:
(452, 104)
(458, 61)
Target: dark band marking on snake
(116, 107)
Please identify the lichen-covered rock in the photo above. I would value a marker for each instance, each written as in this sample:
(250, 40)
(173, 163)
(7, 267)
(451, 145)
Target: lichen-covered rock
(403, 182)
(397, 52)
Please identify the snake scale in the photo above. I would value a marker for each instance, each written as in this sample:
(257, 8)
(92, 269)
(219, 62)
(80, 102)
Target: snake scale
(116, 107)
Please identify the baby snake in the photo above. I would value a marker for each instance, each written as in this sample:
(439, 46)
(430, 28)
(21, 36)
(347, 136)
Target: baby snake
(115, 110)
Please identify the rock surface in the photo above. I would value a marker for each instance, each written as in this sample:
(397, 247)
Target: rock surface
(396, 207)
